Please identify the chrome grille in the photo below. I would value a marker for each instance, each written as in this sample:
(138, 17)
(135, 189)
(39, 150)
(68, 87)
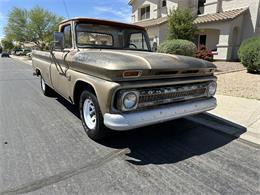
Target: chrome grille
(156, 96)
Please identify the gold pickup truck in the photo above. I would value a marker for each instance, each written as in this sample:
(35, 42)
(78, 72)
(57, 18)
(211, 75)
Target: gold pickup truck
(108, 69)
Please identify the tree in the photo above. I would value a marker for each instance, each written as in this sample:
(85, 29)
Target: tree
(181, 26)
(16, 28)
(36, 25)
(7, 44)
(42, 25)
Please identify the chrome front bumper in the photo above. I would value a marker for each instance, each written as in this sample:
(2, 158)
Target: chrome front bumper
(127, 121)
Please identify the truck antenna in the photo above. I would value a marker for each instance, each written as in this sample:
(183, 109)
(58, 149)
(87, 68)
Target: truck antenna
(66, 8)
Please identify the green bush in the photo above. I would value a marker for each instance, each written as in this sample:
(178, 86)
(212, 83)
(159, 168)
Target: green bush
(181, 25)
(249, 54)
(178, 47)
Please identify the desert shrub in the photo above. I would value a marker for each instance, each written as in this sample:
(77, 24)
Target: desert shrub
(181, 24)
(178, 47)
(249, 54)
(204, 54)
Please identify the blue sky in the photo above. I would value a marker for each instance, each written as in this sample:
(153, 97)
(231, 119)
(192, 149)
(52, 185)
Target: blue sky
(106, 9)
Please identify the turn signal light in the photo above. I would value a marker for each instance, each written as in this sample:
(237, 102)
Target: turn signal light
(131, 74)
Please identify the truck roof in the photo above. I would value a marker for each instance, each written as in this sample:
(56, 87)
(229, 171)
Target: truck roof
(104, 22)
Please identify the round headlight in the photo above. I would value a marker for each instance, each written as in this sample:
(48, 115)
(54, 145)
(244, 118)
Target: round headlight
(212, 87)
(130, 100)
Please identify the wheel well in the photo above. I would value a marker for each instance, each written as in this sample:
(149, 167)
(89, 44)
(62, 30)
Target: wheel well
(38, 72)
(79, 88)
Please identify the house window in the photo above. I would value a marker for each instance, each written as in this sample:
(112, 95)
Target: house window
(145, 13)
(201, 5)
(164, 3)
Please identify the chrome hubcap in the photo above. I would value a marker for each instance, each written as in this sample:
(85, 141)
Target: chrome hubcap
(89, 114)
(43, 85)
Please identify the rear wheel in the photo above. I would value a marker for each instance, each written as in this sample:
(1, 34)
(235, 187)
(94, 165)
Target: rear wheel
(91, 116)
(46, 90)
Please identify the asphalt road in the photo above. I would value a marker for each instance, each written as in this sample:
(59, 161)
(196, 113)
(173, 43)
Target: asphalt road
(44, 150)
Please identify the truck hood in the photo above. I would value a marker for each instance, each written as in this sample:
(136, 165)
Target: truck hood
(110, 64)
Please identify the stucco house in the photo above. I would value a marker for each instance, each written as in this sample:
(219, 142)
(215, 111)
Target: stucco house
(223, 24)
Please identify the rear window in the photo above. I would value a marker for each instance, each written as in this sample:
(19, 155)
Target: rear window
(94, 38)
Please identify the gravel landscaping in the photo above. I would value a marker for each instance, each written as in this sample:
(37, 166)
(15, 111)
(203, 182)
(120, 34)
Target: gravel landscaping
(239, 84)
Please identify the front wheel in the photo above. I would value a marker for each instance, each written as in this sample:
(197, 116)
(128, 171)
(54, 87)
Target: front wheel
(91, 116)
(46, 90)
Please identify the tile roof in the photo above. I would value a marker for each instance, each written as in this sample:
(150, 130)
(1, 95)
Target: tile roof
(222, 16)
(152, 22)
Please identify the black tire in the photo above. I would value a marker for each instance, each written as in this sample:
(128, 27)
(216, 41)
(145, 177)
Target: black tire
(47, 91)
(100, 131)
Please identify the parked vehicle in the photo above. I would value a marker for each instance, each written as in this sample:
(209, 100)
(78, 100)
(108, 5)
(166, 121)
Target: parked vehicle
(5, 55)
(108, 70)
(29, 55)
(18, 52)
(26, 51)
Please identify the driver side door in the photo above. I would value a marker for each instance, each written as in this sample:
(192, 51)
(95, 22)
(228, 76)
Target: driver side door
(60, 66)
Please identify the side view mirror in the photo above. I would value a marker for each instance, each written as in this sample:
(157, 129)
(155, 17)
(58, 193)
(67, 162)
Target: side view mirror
(58, 42)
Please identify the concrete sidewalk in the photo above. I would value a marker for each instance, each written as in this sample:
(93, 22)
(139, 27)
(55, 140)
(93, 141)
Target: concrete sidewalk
(242, 111)
(236, 116)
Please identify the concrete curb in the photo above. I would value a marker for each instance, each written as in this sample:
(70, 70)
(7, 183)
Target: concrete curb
(231, 71)
(225, 126)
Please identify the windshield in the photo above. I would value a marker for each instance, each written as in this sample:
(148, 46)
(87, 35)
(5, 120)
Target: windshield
(104, 36)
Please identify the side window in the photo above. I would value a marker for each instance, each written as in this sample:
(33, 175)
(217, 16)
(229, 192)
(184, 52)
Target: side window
(137, 41)
(67, 37)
